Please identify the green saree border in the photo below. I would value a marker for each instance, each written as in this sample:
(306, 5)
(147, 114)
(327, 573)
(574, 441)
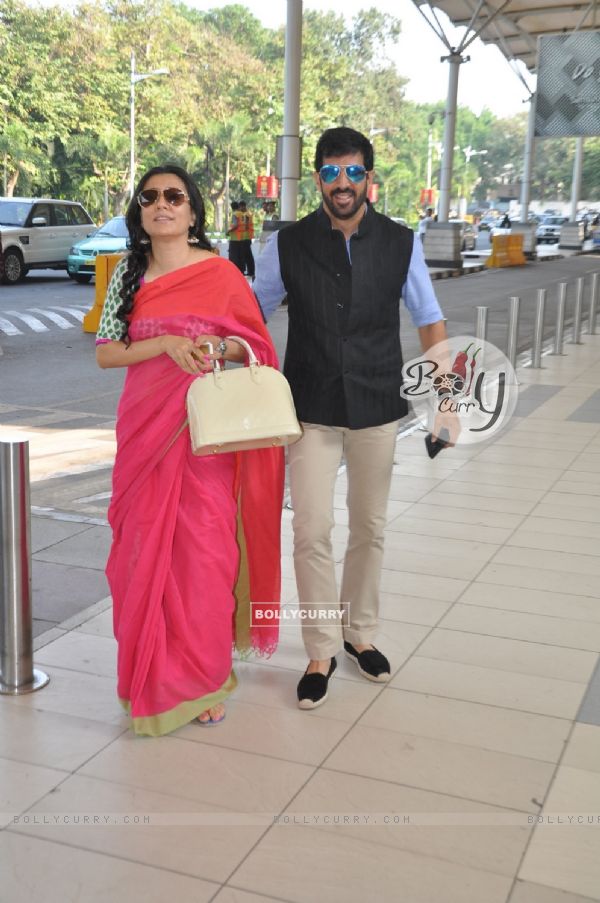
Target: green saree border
(166, 722)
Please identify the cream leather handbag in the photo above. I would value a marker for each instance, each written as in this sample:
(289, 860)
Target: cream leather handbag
(240, 409)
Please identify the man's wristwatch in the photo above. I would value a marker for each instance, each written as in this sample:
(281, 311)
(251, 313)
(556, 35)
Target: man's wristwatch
(222, 347)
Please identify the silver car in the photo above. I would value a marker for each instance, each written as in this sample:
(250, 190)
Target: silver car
(549, 229)
(37, 233)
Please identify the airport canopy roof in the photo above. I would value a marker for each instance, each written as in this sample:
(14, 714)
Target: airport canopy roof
(514, 25)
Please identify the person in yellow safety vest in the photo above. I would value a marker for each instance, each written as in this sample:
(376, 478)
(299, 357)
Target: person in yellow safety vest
(247, 234)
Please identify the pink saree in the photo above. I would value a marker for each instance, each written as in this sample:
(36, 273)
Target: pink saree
(195, 539)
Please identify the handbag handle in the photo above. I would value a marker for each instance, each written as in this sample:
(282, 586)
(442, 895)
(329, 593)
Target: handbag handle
(252, 359)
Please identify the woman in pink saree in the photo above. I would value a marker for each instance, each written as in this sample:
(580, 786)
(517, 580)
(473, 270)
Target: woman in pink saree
(195, 539)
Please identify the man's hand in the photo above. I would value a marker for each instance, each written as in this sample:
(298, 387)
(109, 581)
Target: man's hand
(449, 422)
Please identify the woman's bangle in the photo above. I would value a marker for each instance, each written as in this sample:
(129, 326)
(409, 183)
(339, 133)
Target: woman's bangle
(222, 347)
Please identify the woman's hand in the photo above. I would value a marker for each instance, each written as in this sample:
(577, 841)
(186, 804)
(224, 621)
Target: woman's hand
(234, 352)
(186, 354)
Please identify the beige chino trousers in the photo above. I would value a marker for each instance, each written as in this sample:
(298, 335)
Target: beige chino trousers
(313, 465)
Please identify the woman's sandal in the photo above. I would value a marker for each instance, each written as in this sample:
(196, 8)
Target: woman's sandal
(210, 721)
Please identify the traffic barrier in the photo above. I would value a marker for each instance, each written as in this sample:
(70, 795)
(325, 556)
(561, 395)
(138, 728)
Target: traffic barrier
(507, 251)
(105, 264)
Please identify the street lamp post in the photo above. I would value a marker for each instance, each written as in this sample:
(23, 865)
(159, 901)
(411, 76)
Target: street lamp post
(384, 131)
(135, 78)
(469, 152)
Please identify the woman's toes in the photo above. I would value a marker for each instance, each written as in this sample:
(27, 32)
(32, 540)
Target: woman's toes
(216, 713)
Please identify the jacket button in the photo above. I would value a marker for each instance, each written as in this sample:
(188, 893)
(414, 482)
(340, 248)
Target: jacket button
(341, 306)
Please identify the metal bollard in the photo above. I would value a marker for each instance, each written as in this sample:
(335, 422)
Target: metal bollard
(593, 304)
(513, 330)
(17, 674)
(576, 339)
(481, 320)
(538, 329)
(561, 304)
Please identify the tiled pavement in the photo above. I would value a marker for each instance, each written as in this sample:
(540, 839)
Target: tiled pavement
(470, 778)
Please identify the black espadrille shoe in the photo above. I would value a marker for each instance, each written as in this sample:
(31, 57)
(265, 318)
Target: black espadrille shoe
(371, 663)
(312, 688)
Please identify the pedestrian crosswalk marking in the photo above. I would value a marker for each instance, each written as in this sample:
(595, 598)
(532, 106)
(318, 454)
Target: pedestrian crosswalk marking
(30, 321)
(52, 315)
(7, 327)
(80, 314)
(33, 318)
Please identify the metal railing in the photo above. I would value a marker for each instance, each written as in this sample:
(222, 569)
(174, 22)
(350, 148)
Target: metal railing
(514, 311)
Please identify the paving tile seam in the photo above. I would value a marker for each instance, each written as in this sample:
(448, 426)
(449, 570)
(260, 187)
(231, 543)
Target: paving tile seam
(513, 611)
(577, 683)
(96, 852)
(515, 639)
(390, 845)
(265, 896)
(444, 793)
(476, 702)
(581, 897)
(491, 705)
(455, 743)
(39, 556)
(546, 796)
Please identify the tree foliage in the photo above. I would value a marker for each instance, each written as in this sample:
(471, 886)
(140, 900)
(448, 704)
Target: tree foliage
(65, 89)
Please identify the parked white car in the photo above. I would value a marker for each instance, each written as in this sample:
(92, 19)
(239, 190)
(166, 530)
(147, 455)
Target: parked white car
(549, 229)
(37, 233)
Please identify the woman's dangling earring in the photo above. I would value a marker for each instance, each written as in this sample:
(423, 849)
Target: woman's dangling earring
(192, 239)
(145, 240)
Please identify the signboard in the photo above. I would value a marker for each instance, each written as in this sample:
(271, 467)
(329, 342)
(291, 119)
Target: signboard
(373, 192)
(427, 198)
(267, 187)
(568, 85)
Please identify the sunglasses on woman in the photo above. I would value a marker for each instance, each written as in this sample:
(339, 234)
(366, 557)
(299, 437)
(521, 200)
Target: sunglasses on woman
(331, 171)
(173, 196)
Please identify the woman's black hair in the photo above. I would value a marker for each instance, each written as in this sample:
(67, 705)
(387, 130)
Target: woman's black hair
(139, 242)
(340, 141)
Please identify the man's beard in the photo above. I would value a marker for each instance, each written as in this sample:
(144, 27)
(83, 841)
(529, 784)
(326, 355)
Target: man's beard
(359, 199)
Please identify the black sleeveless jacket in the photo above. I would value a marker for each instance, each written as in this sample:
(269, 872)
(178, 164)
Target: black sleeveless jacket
(343, 358)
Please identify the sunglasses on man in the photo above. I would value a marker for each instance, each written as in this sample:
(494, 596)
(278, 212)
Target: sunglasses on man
(331, 171)
(173, 196)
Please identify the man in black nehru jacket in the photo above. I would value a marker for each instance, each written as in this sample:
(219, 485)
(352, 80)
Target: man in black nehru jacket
(344, 268)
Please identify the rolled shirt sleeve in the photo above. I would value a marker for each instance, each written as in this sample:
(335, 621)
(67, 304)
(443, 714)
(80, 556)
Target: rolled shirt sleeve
(419, 296)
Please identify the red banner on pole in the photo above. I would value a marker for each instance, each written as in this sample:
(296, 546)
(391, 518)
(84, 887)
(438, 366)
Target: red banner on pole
(267, 187)
(373, 192)
(427, 197)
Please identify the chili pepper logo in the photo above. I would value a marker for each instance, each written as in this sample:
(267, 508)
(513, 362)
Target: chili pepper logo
(453, 383)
